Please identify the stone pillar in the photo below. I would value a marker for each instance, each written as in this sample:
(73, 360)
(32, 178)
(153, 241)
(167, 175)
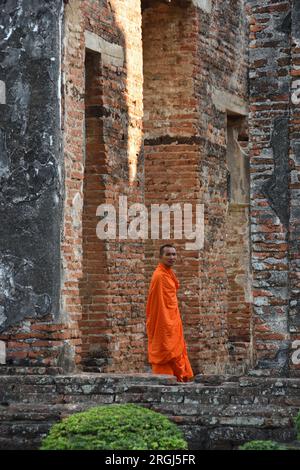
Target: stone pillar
(294, 182)
(31, 182)
(270, 81)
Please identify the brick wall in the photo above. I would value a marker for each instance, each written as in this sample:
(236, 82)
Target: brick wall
(103, 280)
(186, 63)
(171, 151)
(95, 318)
(192, 63)
(273, 177)
(294, 182)
(114, 271)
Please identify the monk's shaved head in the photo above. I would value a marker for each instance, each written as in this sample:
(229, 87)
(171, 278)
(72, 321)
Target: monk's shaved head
(167, 245)
(167, 255)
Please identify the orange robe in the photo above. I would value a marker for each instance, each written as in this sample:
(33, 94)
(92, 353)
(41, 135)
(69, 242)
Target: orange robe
(166, 346)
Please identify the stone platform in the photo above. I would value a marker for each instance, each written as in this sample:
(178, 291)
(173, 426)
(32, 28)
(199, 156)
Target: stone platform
(214, 412)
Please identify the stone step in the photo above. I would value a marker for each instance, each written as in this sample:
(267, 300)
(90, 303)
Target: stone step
(89, 378)
(35, 370)
(20, 442)
(207, 380)
(274, 373)
(45, 411)
(22, 426)
(215, 412)
(106, 388)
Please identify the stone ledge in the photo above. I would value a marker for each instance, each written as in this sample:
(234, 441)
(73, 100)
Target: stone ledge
(219, 411)
(111, 54)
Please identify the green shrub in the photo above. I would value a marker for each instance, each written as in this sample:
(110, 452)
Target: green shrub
(297, 422)
(262, 445)
(115, 427)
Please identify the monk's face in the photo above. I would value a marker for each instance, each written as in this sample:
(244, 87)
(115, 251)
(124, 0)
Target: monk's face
(168, 257)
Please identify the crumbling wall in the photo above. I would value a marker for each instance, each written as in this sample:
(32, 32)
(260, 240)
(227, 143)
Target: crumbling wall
(103, 284)
(294, 185)
(43, 90)
(68, 297)
(273, 54)
(195, 71)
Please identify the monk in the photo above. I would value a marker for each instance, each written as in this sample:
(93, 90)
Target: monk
(166, 346)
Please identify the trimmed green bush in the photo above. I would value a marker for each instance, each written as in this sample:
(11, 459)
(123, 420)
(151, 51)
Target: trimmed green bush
(115, 427)
(297, 423)
(262, 445)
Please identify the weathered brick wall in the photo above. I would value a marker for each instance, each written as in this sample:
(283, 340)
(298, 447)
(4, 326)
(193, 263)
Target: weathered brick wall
(194, 66)
(273, 136)
(240, 295)
(95, 318)
(195, 79)
(223, 91)
(294, 181)
(102, 306)
(103, 280)
(171, 150)
(94, 274)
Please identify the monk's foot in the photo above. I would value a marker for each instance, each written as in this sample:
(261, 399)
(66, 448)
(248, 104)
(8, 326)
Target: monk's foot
(185, 380)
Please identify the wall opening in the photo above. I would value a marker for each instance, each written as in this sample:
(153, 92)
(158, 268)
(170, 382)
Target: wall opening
(94, 280)
(237, 160)
(238, 243)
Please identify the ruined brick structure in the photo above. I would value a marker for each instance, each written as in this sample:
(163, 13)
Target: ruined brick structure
(179, 101)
